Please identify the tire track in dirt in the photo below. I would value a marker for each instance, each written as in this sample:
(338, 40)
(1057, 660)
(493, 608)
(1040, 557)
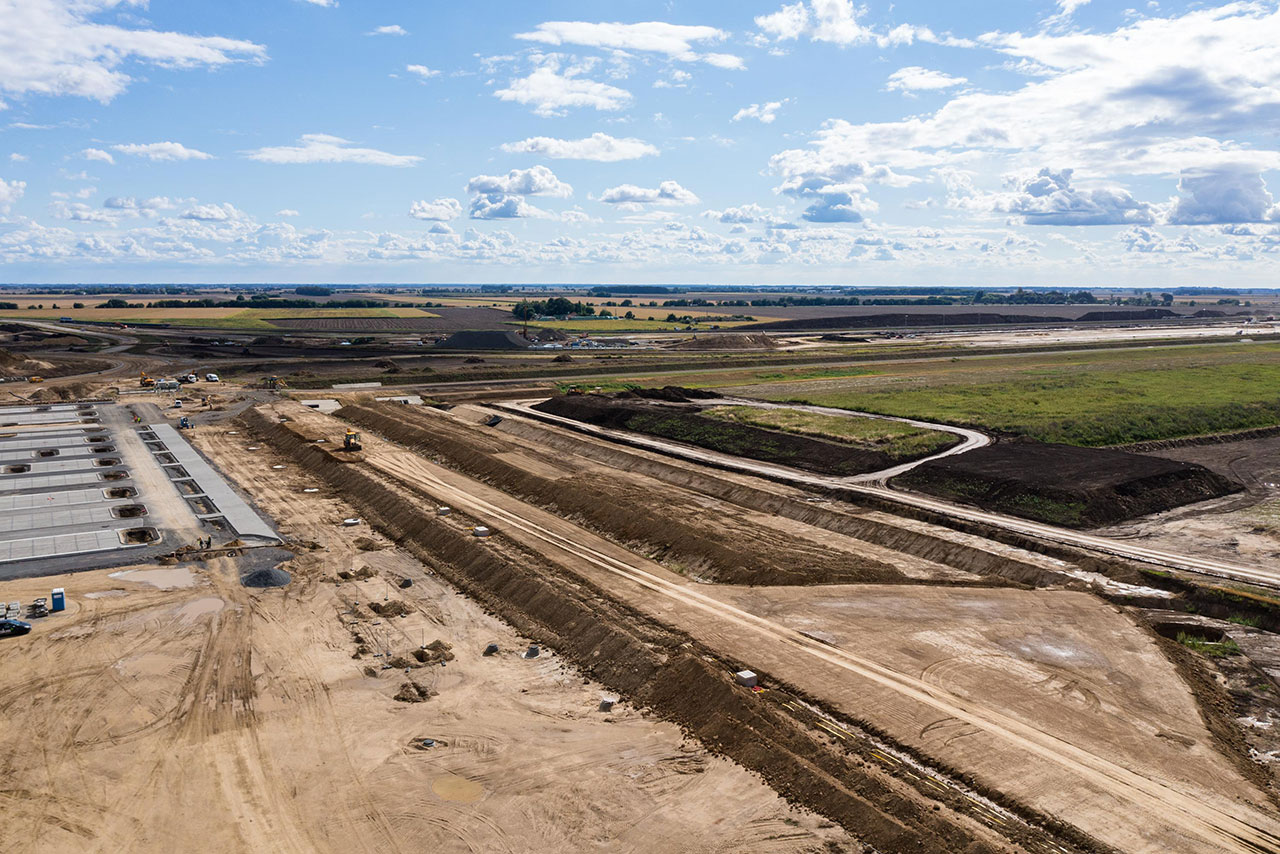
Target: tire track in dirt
(1234, 832)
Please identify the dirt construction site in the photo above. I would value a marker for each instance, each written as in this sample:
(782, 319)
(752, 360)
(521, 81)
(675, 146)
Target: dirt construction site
(484, 628)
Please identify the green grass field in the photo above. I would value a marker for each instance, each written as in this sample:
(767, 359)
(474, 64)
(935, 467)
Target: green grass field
(1094, 398)
(899, 441)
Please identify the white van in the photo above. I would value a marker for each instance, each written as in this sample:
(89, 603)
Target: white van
(211, 378)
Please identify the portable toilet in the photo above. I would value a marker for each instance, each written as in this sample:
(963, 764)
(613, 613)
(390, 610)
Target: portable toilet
(58, 600)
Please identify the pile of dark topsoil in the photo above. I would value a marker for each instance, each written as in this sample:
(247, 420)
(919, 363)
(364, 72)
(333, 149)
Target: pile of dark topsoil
(959, 318)
(1066, 485)
(648, 411)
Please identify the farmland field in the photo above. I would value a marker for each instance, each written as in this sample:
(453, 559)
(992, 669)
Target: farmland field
(1088, 398)
(212, 318)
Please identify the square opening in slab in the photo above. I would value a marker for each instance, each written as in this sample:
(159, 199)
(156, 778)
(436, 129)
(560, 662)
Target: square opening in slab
(139, 536)
(129, 511)
(120, 492)
(18, 469)
(48, 452)
(107, 461)
(118, 474)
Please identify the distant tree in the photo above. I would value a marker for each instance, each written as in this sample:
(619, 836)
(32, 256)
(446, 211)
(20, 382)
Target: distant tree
(1167, 299)
(77, 305)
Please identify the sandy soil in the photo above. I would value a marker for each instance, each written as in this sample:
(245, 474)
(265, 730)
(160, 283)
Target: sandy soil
(170, 709)
(1086, 721)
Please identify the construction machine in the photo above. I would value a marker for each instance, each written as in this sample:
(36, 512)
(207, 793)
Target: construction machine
(274, 382)
(146, 381)
(351, 441)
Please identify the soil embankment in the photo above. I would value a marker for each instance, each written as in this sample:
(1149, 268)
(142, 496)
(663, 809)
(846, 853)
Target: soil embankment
(1066, 485)
(957, 318)
(683, 424)
(616, 507)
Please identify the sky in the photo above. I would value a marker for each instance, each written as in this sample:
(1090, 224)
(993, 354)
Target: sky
(1043, 142)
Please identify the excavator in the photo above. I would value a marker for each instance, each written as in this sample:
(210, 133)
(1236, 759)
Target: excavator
(351, 441)
(146, 381)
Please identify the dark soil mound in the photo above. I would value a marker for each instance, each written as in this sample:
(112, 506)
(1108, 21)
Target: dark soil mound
(266, 578)
(686, 425)
(959, 318)
(507, 340)
(670, 393)
(1066, 485)
(729, 341)
(1122, 316)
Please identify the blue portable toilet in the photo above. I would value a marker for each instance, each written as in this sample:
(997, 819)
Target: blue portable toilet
(58, 600)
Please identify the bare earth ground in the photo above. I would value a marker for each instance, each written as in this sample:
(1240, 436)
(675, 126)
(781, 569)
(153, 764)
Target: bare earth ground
(1243, 528)
(1058, 707)
(211, 717)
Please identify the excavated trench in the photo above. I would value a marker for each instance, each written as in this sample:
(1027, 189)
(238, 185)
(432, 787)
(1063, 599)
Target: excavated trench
(653, 664)
(965, 551)
(724, 556)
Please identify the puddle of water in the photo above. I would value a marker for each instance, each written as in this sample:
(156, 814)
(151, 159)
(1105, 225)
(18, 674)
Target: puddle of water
(165, 579)
(198, 608)
(451, 787)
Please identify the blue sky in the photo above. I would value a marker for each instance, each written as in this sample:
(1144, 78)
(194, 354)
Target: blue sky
(1051, 142)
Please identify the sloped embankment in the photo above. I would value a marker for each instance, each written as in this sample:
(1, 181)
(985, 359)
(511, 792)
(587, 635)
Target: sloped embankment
(1066, 485)
(650, 663)
(682, 424)
(651, 525)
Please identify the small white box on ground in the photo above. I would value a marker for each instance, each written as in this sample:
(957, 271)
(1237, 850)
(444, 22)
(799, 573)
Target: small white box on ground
(746, 678)
(481, 531)
(443, 511)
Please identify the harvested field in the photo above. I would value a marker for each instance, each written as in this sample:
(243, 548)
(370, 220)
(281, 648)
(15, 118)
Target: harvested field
(1065, 485)
(438, 320)
(684, 424)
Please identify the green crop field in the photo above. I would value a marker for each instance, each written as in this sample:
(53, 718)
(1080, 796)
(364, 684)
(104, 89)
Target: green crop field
(899, 441)
(1089, 398)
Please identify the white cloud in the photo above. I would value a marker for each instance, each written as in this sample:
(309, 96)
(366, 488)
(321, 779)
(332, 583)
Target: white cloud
(323, 148)
(388, 30)
(913, 78)
(765, 113)
(499, 206)
(1047, 198)
(214, 213)
(745, 214)
(10, 192)
(724, 60)
(789, 22)
(631, 196)
(836, 22)
(54, 47)
(15, 157)
(97, 154)
(422, 71)
(439, 210)
(158, 151)
(537, 181)
(675, 41)
(1223, 195)
(287, 212)
(551, 93)
(599, 146)
(328, 4)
